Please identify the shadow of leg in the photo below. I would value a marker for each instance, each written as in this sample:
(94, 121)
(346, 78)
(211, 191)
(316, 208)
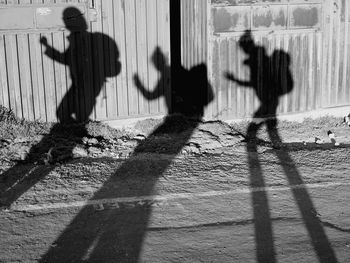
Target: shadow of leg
(18, 180)
(319, 239)
(261, 211)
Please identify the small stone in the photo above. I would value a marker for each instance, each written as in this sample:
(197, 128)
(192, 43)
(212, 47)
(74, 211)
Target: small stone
(140, 137)
(318, 140)
(331, 135)
(79, 152)
(94, 151)
(85, 140)
(93, 141)
(99, 207)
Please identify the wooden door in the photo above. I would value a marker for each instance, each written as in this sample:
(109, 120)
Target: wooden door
(292, 27)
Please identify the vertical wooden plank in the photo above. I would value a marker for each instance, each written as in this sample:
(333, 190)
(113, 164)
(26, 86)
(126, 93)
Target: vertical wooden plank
(239, 73)
(49, 83)
(122, 87)
(286, 67)
(109, 58)
(151, 6)
(328, 34)
(336, 55)
(88, 76)
(304, 74)
(230, 68)
(296, 56)
(279, 67)
(190, 16)
(141, 48)
(222, 89)
(166, 46)
(98, 66)
(209, 59)
(260, 61)
(13, 74)
(163, 29)
(60, 73)
(345, 52)
(131, 62)
(318, 78)
(216, 79)
(347, 91)
(347, 72)
(312, 66)
(184, 33)
(291, 44)
(63, 74)
(35, 50)
(68, 47)
(5, 100)
(80, 76)
(198, 24)
(25, 77)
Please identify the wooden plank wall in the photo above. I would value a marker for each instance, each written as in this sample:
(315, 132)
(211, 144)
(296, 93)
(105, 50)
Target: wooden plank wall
(33, 85)
(194, 38)
(235, 101)
(336, 73)
(281, 25)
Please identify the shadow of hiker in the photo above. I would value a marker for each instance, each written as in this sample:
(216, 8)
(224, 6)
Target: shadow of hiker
(117, 234)
(271, 78)
(75, 107)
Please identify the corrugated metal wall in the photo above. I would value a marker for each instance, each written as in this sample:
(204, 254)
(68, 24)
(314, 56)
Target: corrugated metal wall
(33, 85)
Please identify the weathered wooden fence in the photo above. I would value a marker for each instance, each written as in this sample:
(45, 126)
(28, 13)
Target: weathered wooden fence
(314, 33)
(33, 85)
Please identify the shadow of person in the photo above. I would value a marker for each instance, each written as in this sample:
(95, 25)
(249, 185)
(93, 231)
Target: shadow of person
(270, 77)
(118, 234)
(75, 107)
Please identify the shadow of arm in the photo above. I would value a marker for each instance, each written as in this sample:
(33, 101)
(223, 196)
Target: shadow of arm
(53, 53)
(150, 95)
(244, 83)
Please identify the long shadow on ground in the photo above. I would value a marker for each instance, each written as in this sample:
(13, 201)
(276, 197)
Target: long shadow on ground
(270, 77)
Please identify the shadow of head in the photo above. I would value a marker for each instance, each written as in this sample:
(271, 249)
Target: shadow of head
(159, 60)
(74, 19)
(246, 41)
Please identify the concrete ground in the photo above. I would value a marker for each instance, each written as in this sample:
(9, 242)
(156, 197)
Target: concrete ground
(213, 199)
